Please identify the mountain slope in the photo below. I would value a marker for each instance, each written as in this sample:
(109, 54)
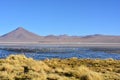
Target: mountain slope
(101, 39)
(20, 35)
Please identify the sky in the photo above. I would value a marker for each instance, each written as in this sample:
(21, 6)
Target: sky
(72, 17)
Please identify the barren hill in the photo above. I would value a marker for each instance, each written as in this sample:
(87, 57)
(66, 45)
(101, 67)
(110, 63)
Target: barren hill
(22, 35)
(101, 39)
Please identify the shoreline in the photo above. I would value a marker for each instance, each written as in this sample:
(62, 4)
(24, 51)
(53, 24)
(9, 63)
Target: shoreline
(36, 44)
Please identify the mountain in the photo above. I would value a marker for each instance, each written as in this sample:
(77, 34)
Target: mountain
(98, 38)
(20, 35)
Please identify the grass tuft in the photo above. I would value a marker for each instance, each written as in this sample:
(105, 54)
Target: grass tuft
(19, 67)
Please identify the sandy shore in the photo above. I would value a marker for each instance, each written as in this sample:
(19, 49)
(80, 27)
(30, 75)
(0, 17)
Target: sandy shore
(36, 44)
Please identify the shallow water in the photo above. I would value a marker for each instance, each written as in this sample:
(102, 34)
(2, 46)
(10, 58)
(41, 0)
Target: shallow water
(65, 53)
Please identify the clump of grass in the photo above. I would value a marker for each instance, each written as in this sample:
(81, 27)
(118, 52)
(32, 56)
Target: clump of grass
(19, 67)
(23, 67)
(83, 73)
(87, 74)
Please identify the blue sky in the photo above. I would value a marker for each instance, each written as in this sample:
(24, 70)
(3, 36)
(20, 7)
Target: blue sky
(72, 17)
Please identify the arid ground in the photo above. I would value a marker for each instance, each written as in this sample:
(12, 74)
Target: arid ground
(19, 67)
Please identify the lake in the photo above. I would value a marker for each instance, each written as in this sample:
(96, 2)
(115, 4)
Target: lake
(65, 52)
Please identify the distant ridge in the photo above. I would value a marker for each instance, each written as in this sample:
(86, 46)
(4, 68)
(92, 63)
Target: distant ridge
(98, 38)
(22, 35)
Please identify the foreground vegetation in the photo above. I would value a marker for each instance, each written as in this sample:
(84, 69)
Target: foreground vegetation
(19, 67)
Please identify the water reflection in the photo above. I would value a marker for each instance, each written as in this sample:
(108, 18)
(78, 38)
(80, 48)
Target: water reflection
(64, 53)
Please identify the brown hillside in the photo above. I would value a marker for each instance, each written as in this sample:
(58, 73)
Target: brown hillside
(22, 35)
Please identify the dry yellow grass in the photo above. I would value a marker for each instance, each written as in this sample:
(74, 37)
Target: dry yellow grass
(18, 67)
